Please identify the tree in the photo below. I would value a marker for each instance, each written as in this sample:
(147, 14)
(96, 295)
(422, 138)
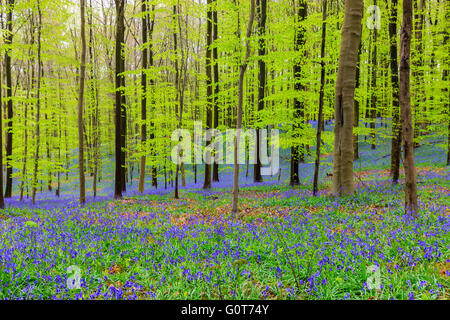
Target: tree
(297, 152)
(38, 104)
(411, 205)
(2, 201)
(261, 7)
(373, 106)
(80, 104)
(119, 98)
(396, 125)
(144, 96)
(215, 173)
(242, 69)
(344, 99)
(209, 93)
(9, 96)
(321, 95)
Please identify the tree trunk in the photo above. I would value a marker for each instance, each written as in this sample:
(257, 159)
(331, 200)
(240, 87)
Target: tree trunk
(143, 99)
(411, 205)
(242, 69)
(356, 108)
(80, 105)
(215, 177)
(396, 125)
(209, 93)
(297, 150)
(373, 106)
(9, 102)
(261, 6)
(38, 106)
(344, 99)
(120, 30)
(321, 95)
(2, 200)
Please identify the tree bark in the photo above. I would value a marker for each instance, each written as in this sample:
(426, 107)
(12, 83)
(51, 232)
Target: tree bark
(143, 98)
(411, 205)
(356, 107)
(242, 69)
(396, 125)
(119, 84)
(297, 150)
(321, 96)
(80, 104)
(373, 106)
(209, 92)
(38, 104)
(261, 7)
(9, 102)
(215, 174)
(344, 99)
(2, 200)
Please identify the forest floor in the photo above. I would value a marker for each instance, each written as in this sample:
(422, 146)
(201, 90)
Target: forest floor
(284, 244)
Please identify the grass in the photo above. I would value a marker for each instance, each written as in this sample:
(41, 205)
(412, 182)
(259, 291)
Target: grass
(284, 244)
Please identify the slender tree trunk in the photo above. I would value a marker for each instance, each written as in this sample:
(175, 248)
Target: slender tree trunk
(80, 104)
(344, 99)
(417, 75)
(9, 96)
(445, 77)
(209, 93)
(396, 125)
(143, 99)
(38, 106)
(242, 69)
(177, 98)
(321, 95)
(215, 177)
(297, 150)
(411, 205)
(356, 108)
(373, 106)
(2, 200)
(120, 30)
(261, 7)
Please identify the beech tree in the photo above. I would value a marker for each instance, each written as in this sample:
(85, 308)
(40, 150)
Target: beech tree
(344, 99)
(411, 205)
(242, 69)
(80, 104)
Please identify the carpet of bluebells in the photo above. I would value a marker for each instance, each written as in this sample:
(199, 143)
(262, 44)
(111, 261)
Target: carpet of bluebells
(284, 244)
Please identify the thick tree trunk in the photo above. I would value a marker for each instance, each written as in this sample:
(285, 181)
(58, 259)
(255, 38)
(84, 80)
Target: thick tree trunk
(321, 96)
(396, 125)
(411, 206)
(344, 99)
(80, 104)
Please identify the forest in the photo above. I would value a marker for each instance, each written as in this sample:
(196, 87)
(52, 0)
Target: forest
(224, 149)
